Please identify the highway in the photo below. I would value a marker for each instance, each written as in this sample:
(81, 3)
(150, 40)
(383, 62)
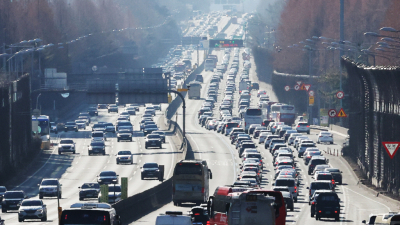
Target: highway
(73, 170)
(357, 202)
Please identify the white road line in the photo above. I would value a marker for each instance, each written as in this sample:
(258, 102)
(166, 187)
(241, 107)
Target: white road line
(388, 208)
(172, 158)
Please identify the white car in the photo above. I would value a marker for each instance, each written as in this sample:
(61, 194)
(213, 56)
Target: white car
(66, 145)
(292, 137)
(303, 127)
(124, 157)
(325, 136)
(32, 209)
(263, 136)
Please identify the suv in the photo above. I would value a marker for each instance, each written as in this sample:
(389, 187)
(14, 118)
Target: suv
(314, 161)
(93, 111)
(89, 190)
(303, 127)
(113, 108)
(32, 209)
(327, 205)
(3, 190)
(150, 170)
(153, 140)
(12, 200)
(70, 126)
(199, 78)
(336, 173)
(50, 187)
(288, 182)
(319, 185)
(98, 136)
(66, 145)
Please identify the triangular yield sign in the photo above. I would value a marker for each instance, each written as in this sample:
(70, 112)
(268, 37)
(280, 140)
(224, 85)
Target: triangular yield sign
(341, 113)
(302, 87)
(298, 83)
(307, 86)
(391, 148)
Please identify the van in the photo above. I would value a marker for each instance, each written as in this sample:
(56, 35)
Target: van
(173, 218)
(288, 182)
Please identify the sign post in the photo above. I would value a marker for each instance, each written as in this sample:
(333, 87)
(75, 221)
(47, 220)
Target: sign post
(104, 193)
(124, 188)
(391, 148)
(311, 100)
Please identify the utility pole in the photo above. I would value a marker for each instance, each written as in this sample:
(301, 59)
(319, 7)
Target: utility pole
(341, 51)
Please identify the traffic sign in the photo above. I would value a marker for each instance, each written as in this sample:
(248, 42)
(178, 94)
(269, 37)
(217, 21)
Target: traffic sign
(296, 87)
(298, 83)
(340, 94)
(307, 86)
(225, 43)
(341, 113)
(302, 87)
(287, 88)
(311, 93)
(332, 113)
(311, 100)
(391, 147)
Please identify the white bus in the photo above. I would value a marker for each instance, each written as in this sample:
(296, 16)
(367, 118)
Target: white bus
(190, 182)
(252, 116)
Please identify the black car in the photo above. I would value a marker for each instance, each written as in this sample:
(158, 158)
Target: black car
(97, 147)
(199, 215)
(12, 200)
(89, 190)
(2, 191)
(150, 170)
(336, 174)
(246, 145)
(102, 106)
(70, 126)
(107, 177)
(124, 136)
(199, 78)
(255, 86)
(113, 108)
(162, 135)
(288, 200)
(153, 140)
(327, 205)
(93, 111)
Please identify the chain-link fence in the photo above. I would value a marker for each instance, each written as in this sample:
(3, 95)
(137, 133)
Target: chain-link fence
(374, 118)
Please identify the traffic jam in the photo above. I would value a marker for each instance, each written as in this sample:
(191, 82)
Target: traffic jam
(236, 108)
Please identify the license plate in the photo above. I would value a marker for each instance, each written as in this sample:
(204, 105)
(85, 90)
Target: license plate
(153, 143)
(13, 206)
(328, 212)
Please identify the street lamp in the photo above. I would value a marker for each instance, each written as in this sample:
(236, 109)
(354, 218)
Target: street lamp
(389, 29)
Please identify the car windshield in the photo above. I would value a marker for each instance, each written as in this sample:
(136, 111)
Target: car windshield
(50, 182)
(66, 142)
(318, 185)
(124, 153)
(90, 185)
(324, 177)
(70, 123)
(151, 126)
(31, 203)
(80, 121)
(98, 125)
(108, 174)
(153, 136)
(98, 134)
(330, 170)
(288, 183)
(97, 144)
(150, 165)
(14, 195)
(112, 188)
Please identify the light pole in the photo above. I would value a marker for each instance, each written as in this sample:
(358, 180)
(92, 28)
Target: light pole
(37, 100)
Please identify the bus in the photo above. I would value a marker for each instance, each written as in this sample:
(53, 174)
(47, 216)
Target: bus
(41, 125)
(251, 116)
(190, 182)
(90, 213)
(283, 113)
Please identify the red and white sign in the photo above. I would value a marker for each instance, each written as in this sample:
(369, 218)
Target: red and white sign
(287, 88)
(391, 147)
(332, 113)
(296, 87)
(298, 83)
(340, 94)
(307, 86)
(311, 93)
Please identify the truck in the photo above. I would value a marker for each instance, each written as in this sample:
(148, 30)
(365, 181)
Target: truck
(194, 90)
(243, 86)
(245, 209)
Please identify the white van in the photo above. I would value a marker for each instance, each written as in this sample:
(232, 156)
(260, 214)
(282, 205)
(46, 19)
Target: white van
(173, 218)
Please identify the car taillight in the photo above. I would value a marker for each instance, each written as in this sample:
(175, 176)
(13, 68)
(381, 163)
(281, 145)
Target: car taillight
(333, 181)
(308, 125)
(227, 125)
(309, 192)
(319, 211)
(298, 125)
(202, 190)
(208, 222)
(313, 203)
(238, 126)
(320, 136)
(308, 157)
(335, 211)
(197, 214)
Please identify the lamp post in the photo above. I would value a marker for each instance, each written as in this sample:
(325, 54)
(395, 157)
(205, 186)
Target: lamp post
(37, 100)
